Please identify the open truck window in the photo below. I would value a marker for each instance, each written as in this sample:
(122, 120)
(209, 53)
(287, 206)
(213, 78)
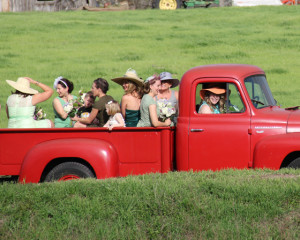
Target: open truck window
(231, 98)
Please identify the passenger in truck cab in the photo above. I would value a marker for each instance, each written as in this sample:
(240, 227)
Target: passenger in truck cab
(213, 100)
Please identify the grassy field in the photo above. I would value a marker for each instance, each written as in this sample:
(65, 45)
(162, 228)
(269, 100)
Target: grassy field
(83, 46)
(206, 205)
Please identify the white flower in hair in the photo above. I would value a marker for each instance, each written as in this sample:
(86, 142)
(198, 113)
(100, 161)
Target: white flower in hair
(56, 81)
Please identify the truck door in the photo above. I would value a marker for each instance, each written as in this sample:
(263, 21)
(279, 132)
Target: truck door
(219, 141)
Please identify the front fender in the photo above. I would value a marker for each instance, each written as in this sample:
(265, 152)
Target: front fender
(270, 151)
(101, 155)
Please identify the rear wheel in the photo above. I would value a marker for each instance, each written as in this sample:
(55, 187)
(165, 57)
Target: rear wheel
(168, 4)
(69, 171)
(295, 163)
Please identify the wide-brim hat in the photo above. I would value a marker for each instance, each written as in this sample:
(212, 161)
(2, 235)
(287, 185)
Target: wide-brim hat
(130, 75)
(213, 90)
(166, 76)
(22, 85)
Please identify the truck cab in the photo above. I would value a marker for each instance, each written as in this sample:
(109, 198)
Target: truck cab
(238, 137)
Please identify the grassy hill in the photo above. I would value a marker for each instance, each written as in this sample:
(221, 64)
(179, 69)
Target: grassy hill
(228, 204)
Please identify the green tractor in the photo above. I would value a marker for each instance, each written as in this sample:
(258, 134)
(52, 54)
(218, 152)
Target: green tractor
(174, 4)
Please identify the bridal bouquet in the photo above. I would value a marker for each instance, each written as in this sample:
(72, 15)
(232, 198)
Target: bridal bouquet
(166, 110)
(39, 114)
(71, 108)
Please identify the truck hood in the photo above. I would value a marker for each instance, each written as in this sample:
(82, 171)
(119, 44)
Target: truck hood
(275, 117)
(293, 124)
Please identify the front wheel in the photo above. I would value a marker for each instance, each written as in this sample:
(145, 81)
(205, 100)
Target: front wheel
(69, 171)
(295, 163)
(168, 4)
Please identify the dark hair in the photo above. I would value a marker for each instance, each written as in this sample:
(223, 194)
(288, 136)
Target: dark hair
(69, 83)
(24, 95)
(102, 84)
(90, 95)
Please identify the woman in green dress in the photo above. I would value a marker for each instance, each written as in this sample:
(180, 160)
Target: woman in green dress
(63, 104)
(149, 108)
(21, 104)
(131, 100)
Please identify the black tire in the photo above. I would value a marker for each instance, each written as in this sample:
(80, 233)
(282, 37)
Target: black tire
(68, 171)
(168, 4)
(295, 163)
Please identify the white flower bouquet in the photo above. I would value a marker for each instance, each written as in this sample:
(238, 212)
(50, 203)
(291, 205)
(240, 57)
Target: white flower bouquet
(39, 113)
(82, 94)
(71, 108)
(166, 110)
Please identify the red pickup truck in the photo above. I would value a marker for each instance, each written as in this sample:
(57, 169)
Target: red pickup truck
(252, 133)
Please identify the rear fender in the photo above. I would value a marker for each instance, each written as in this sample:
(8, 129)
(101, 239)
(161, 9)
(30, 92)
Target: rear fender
(99, 154)
(271, 151)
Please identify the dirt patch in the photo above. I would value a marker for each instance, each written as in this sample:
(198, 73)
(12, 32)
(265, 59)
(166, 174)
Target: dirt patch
(275, 176)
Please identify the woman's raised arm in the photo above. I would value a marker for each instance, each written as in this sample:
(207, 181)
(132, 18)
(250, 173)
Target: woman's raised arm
(43, 96)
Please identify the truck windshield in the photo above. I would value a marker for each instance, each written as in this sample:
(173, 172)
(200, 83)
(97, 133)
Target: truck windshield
(259, 91)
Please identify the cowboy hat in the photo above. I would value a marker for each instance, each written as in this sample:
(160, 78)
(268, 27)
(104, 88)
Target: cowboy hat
(213, 90)
(129, 75)
(22, 85)
(166, 76)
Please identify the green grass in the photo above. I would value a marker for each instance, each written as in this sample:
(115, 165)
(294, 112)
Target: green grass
(228, 204)
(83, 46)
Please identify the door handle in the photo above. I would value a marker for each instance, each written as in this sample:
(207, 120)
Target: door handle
(197, 130)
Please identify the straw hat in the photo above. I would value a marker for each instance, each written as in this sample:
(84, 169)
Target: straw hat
(129, 75)
(22, 85)
(166, 76)
(213, 90)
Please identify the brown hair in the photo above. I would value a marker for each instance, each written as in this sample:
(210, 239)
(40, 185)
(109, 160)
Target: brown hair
(90, 95)
(24, 95)
(113, 107)
(149, 83)
(102, 84)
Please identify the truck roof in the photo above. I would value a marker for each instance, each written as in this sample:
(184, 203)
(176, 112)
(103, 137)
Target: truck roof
(237, 71)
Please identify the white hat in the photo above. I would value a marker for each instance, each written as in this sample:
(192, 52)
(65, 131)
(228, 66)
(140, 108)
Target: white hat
(22, 85)
(129, 75)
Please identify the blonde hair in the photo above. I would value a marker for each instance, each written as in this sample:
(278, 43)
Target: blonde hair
(134, 88)
(113, 107)
(221, 102)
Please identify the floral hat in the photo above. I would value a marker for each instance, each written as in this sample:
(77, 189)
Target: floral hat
(129, 75)
(213, 90)
(166, 76)
(22, 85)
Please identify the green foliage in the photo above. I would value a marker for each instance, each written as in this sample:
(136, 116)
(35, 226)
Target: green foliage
(231, 204)
(83, 46)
